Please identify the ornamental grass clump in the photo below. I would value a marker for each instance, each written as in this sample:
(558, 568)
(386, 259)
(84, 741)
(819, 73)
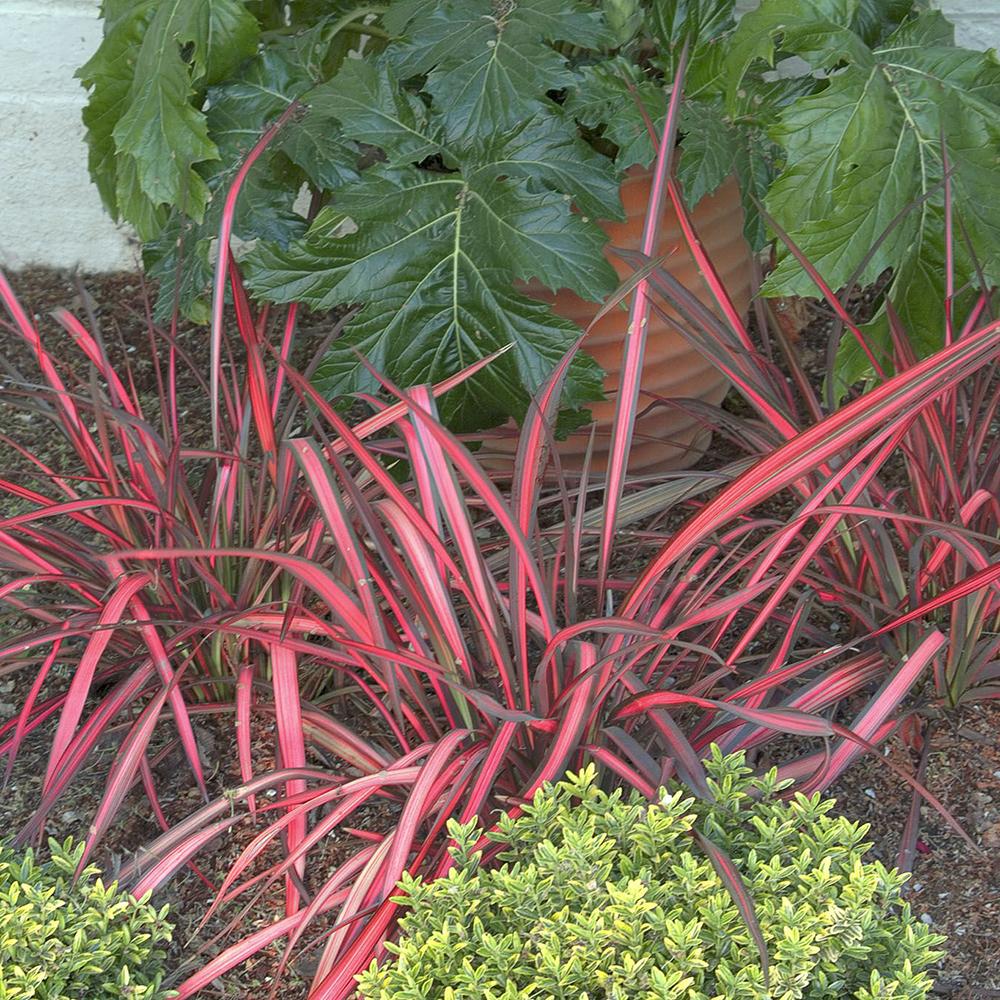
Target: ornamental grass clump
(428, 645)
(606, 895)
(62, 939)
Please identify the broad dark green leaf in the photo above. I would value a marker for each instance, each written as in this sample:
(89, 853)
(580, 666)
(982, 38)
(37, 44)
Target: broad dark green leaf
(563, 21)
(144, 133)
(220, 34)
(875, 19)
(401, 13)
(917, 293)
(166, 137)
(371, 107)
(547, 151)
(195, 43)
(108, 74)
(435, 32)
(133, 203)
(441, 254)
(755, 166)
(535, 235)
(867, 150)
(404, 213)
(853, 166)
(709, 148)
(869, 145)
(606, 97)
(439, 332)
(432, 33)
(818, 31)
(179, 260)
(930, 29)
(309, 147)
(496, 82)
(699, 23)
(240, 111)
(712, 150)
(314, 143)
(489, 66)
(676, 21)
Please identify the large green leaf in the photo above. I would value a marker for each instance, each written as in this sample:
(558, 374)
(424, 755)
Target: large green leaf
(700, 24)
(145, 131)
(571, 21)
(853, 165)
(497, 85)
(818, 31)
(433, 259)
(179, 260)
(918, 295)
(433, 256)
(677, 21)
(870, 145)
(709, 148)
(874, 20)
(166, 137)
(865, 156)
(134, 205)
(404, 214)
(373, 108)
(548, 152)
(160, 129)
(609, 97)
(108, 74)
(489, 66)
(462, 313)
(448, 30)
(401, 14)
(239, 112)
(755, 166)
(309, 147)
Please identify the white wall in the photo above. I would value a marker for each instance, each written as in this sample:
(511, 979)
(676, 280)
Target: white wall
(977, 22)
(49, 211)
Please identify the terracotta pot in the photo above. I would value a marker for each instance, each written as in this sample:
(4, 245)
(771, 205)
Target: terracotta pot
(664, 438)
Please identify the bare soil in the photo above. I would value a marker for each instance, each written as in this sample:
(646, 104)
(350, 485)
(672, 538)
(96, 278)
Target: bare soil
(954, 889)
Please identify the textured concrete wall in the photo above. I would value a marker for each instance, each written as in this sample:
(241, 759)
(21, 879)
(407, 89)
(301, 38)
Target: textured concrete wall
(49, 211)
(977, 22)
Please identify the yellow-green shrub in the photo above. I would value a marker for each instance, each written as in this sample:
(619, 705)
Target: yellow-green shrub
(82, 941)
(607, 896)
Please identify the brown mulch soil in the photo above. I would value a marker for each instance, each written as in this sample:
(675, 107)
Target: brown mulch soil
(954, 889)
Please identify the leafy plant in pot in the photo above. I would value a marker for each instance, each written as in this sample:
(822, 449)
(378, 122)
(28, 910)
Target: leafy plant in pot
(444, 162)
(464, 221)
(486, 200)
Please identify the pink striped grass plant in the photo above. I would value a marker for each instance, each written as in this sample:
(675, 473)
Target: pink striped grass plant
(371, 589)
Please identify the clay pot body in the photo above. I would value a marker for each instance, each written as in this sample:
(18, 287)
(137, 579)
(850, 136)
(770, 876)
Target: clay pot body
(665, 438)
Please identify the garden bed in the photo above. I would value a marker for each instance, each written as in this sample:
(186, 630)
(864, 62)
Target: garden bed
(956, 891)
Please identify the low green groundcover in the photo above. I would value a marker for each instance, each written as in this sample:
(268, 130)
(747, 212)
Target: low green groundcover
(82, 941)
(607, 895)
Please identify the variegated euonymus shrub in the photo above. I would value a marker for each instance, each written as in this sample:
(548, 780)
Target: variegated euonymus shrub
(61, 940)
(607, 895)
